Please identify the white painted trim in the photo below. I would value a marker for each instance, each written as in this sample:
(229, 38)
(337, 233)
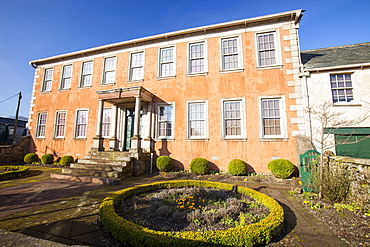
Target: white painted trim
(75, 125)
(242, 117)
(240, 53)
(61, 77)
(103, 71)
(278, 50)
(173, 104)
(55, 125)
(159, 71)
(129, 79)
(187, 119)
(205, 41)
(81, 73)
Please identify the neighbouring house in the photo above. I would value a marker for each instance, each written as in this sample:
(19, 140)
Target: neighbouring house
(21, 126)
(224, 91)
(341, 76)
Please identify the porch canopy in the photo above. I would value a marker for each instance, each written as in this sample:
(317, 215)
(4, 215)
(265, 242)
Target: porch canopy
(121, 96)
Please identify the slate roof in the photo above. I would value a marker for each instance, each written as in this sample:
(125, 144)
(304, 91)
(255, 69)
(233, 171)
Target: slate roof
(336, 56)
(10, 122)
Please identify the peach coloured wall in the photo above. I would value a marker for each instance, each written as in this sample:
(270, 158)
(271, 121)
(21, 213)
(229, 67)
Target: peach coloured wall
(249, 83)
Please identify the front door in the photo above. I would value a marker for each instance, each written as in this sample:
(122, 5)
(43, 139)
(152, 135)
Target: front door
(129, 128)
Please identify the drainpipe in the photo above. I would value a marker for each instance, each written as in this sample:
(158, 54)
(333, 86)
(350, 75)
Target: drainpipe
(151, 163)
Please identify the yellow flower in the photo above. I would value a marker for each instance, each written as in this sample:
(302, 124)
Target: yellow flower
(245, 179)
(300, 182)
(306, 202)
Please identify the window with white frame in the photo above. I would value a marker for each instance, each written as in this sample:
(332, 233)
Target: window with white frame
(136, 66)
(166, 62)
(272, 118)
(106, 122)
(230, 52)
(197, 57)
(66, 77)
(41, 124)
(341, 88)
(266, 46)
(197, 119)
(165, 121)
(86, 74)
(233, 122)
(60, 124)
(81, 123)
(109, 76)
(48, 80)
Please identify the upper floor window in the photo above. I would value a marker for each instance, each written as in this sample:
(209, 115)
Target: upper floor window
(136, 66)
(81, 123)
(109, 70)
(48, 80)
(41, 124)
(341, 88)
(60, 124)
(86, 74)
(233, 122)
(166, 62)
(197, 120)
(272, 118)
(66, 77)
(266, 46)
(106, 121)
(165, 121)
(197, 58)
(230, 51)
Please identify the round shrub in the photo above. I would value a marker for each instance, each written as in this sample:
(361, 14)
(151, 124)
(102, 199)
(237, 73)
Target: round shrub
(30, 158)
(66, 160)
(164, 163)
(237, 167)
(199, 166)
(281, 168)
(47, 159)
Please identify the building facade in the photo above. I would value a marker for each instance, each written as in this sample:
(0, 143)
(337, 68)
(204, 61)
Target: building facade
(221, 92)
(338, 78)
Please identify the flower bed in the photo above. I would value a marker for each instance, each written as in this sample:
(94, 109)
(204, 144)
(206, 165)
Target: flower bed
(136, 235)
(7, 172)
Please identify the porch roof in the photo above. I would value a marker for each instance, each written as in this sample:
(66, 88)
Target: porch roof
(128, 94)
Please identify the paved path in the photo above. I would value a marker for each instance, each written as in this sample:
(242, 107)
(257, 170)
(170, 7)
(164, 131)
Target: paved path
(57, 213)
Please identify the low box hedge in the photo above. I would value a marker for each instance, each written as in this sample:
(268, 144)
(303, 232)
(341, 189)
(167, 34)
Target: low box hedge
(8, 172)
(250, 235)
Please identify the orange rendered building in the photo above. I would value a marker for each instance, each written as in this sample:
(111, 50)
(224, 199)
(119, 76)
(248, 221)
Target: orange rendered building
(221, 92)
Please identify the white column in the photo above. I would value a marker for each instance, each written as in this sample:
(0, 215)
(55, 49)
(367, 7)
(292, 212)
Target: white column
(113, 137)
(137, 116)
(98, 140)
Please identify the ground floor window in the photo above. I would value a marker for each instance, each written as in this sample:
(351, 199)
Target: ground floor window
(81, 123)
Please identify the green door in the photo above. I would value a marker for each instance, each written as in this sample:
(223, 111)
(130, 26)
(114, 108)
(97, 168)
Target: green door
(356, 146)
(129, 128)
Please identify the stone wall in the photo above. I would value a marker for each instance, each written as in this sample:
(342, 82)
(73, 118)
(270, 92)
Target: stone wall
(14, 154)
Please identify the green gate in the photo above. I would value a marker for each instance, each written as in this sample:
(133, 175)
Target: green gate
(309, 161)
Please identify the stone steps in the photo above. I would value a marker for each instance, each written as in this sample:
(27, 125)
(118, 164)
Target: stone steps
(90, 172)
(86, 179)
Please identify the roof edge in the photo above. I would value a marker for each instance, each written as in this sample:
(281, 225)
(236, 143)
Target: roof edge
(338, 67)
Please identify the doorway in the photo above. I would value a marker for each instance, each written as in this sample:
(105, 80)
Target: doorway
(129, 127)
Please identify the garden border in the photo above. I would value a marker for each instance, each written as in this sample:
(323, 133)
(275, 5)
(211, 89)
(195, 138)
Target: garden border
(136, 235)
(21, 170)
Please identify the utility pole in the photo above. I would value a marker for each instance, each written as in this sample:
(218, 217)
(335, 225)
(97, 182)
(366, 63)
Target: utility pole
(16, 117)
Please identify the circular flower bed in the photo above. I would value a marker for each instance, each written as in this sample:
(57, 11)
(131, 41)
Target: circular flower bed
(7, 172)
(245, 235)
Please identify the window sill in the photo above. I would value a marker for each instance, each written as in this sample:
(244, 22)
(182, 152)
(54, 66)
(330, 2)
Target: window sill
(273, 139)
(160, 139)
(108, 84)
(231, 71)
(135, 81)
(44, 92)
(198, 139)
(166, 77)
(346, 104)
(197, 74)
(84, 87)
(64, 89)
(58, 138)
(278, 66)
(234, 139)
(40, 138)
(80, 138)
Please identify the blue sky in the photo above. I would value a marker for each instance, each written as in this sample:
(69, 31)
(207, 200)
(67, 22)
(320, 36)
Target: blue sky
(33, 29)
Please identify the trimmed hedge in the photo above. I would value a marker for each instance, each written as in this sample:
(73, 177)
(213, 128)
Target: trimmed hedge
(199, 166)
(132, 234)
(47, 159)
(7, 172)
(281, 168)
(30, 158)
(66, 160)
(237, 167)
(164, 163)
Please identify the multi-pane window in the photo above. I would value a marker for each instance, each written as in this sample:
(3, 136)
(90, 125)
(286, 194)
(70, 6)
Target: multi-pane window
(197, 57)
(60, 124)
(109, 70)
(341, 88)
(66, 77)
(41, 124)
(197, 119)
(81, 123)
(137, 66)
(86, 75)
(48, 80)
(232, 118)
(165, 125)
(230, 54)
(266, 49)
(106, 120)
(271, 117)
(166, 62)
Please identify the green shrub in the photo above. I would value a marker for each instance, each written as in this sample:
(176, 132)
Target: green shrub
(47, 159)
(7, 172)
(237, 167)
(164, 163)
(66, 160)
(199, 166)
(281, 168)
(30, 158)
(256, 234)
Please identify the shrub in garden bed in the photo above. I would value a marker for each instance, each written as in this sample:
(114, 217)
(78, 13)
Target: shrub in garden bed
(237, 167)
(47, 159)
(31, 158)
(199, 166)
(164, 163)
(66, 160)
(243, 235)
(281, 168)
(7, 172)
